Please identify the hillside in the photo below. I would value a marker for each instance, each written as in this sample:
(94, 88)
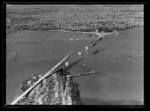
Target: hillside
(72, 17)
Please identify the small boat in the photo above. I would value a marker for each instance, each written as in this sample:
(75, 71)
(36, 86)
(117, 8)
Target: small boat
(97, 51)
(93, 44)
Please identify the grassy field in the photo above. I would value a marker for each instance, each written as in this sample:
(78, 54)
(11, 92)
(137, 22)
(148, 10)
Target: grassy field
(72, 17)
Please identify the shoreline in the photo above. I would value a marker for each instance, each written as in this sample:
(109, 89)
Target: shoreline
(96, 33)
(83, 32)
(78, 31)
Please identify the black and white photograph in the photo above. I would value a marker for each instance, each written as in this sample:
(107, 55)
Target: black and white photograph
(74, 54)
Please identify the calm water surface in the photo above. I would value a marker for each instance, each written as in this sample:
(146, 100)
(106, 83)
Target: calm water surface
(119, 77)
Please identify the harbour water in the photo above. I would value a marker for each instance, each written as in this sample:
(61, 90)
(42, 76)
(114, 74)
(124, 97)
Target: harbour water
(119, 67)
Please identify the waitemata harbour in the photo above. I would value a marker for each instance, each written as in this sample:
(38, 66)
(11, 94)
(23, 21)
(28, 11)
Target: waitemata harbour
(104, 39)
